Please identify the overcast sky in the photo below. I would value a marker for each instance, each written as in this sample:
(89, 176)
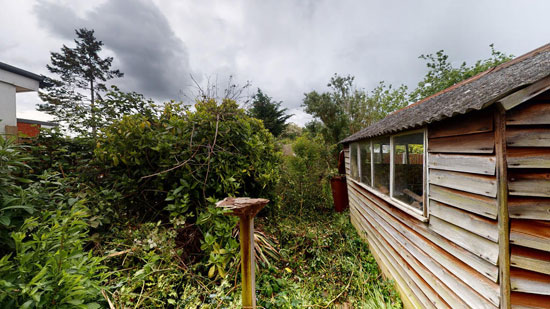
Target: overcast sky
(286, 48)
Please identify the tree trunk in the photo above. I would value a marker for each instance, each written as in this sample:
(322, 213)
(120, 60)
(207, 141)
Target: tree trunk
(92, 105)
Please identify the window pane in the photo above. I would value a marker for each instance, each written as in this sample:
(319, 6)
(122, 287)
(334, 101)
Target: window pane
(381, 151)
(354, 173)
(408, 158)
(365, 163)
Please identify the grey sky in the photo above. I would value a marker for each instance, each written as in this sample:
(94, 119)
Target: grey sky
(286, 48)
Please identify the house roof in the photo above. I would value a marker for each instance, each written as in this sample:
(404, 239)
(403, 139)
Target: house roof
(18, 71)
(474, 93)
(42, 123)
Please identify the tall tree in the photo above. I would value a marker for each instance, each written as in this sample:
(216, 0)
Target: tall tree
(273, 116)
(72, 97)
(442, 74)
(345, 109)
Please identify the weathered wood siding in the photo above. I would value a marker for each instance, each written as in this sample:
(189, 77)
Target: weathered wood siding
(452, 259)
(528, 157)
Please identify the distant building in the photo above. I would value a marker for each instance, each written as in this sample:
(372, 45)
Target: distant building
(12, 81)
(31, 128)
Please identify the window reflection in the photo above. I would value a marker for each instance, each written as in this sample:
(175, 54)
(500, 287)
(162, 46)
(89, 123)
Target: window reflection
(408, 169)
(354, 173)
(381, 162)
(365, 163)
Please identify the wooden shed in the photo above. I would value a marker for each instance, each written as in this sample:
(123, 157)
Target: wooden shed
(452, 193)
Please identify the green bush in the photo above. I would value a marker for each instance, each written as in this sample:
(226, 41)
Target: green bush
(305, 175)
(179, 163)
(50, 267)
(187, 156)
(13, 210)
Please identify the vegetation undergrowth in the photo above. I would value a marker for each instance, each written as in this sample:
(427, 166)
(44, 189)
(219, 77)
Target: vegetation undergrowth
(324, 263)
(125, 216)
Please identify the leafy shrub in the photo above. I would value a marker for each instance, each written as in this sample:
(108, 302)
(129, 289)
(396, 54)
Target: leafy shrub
(220, 245)
(182, 161)
(50, 267)
(305, 182)
(187, 156)
(13, 209)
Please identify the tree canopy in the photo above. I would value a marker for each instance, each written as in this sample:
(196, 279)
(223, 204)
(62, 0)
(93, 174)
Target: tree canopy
(73, 96)
(442, 74)
(273, 116)
(344, 109)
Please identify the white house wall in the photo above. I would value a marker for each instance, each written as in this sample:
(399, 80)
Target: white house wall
(7, 106)
(21, 82)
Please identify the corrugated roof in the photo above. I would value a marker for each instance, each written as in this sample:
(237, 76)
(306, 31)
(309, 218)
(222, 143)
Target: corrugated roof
(474, 93)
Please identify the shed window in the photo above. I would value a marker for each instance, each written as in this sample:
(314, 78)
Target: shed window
(354, 169)
(408, 172)
(366, 163)
(381, 164)
(394, 167)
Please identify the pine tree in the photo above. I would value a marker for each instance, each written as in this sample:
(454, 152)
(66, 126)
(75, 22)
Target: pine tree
(72, 97)
(270, 112)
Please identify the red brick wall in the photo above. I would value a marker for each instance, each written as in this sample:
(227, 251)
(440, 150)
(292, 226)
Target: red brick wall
(28, 129)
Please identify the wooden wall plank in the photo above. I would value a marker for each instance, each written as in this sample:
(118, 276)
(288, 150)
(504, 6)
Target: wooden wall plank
(408, 290)
(530, 233)
(464, 272)
(530, 114)
(475, 203)
(482, 266)
(529, 183)
(463, 163)
(502, 202)
(478, 225)
(473, 122)
(529, 301)
(528, 137)
(478, 184)
(530, 259)
(473, 143)
(525, 94)
(423, 293)
(528, 158)
(529, 208)
(444, 283)
(479, 246)
(529, 282)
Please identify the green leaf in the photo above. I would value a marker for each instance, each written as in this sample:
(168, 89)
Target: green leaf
(5, 220)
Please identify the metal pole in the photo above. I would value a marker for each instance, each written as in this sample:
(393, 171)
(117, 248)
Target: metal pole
(248, 277)
(246, 209)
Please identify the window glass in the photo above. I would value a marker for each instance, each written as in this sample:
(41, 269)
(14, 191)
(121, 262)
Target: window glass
(365, 163)
(381, 152)
(408, 160)
(354, 173)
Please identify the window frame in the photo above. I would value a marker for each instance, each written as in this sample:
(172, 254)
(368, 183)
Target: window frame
(421, 215)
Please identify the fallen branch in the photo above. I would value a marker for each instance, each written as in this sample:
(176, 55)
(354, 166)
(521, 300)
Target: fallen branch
(108, 299)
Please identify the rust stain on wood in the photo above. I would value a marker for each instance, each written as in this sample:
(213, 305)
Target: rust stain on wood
(528, 158)
(529, 282)
(526, 300)
(531, 259)
(530, 233)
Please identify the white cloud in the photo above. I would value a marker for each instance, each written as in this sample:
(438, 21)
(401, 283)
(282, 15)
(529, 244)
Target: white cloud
(285, 47)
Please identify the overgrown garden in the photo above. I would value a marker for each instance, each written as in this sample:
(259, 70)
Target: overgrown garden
(120, 213)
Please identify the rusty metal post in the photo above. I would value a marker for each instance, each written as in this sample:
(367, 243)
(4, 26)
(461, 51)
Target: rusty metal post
(246, 209)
